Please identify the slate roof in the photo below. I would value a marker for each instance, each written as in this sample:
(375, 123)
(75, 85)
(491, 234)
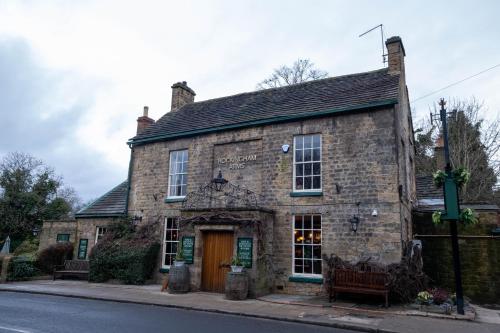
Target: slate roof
(336, 94)
(109, 205)
(426, 188)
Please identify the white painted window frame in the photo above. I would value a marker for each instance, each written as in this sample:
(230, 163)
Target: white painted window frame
(312, 162)
(164, 245)
(307, 275)
(172, 171)
(97, 233)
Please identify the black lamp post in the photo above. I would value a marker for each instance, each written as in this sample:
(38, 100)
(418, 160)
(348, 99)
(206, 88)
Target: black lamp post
(219, 182)
(355, 219)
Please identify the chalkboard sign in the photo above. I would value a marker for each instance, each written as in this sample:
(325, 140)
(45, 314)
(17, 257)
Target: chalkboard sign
(245, 250)
(82, 248)
(188, 248)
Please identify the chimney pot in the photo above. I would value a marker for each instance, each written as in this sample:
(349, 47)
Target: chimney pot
(144, 121)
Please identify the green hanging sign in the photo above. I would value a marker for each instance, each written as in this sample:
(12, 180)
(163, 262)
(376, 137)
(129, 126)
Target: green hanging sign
(82, 249)
(245, 251)
(188, 249)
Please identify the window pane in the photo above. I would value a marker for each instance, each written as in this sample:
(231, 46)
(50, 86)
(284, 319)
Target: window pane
(299, 251)
(317, 252)
(299, 170)
(307, 183)
(317, 237)
(299, 238)
(317, 222)
(307, 169)
(298, 156)
(316, 182)
(299, 264)
(307, 266)
(317, 266)
(316, 140)
(298, 222)
(299, 183)
(307, 155)
(316, 168)
(168, 247)
(316, 155)
(307, 222)
(307, 252)
(308, 236)
(307, 141)
(299, 142)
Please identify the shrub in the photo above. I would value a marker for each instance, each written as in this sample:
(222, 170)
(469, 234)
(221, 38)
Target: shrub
(124, 254)
(28, 248)
(21, 268)
(54, 255)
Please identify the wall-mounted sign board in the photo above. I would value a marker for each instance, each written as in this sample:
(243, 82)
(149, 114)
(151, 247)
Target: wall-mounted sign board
(188, 249)
(245, 251)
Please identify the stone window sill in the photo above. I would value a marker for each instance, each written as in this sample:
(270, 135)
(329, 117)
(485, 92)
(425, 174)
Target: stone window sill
(169, 200)
(306, 194)
(304, 279)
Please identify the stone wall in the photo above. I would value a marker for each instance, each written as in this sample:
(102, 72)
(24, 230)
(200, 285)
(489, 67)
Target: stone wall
(479, 255)
(81, 228)
(359, 164)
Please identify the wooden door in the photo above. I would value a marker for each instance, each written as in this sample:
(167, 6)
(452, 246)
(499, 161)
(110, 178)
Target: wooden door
(217, 253)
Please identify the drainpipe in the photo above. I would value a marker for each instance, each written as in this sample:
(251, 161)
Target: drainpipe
(129, 178)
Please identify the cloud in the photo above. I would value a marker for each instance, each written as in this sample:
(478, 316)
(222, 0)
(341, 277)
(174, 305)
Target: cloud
(41, 110)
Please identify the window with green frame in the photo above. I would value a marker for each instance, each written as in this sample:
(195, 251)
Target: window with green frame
(61, 238)
(82, 248)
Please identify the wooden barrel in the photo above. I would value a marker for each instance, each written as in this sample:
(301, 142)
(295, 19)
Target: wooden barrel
(236, 286)
(178, 279)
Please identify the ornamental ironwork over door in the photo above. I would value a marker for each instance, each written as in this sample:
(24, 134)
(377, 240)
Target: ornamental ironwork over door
(217, 253)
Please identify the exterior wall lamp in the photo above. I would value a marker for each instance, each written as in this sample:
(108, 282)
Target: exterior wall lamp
(35, 231)
(219, 182)
(355, 219)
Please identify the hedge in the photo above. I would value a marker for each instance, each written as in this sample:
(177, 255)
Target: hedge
(22, 268)
(54, 255)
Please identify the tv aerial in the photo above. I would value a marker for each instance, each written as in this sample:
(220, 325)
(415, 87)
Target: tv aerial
(381, 26)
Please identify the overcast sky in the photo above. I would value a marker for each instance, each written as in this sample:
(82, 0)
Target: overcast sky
(74, 75)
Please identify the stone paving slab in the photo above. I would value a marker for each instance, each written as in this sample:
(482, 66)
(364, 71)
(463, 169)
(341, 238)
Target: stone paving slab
(341, 317)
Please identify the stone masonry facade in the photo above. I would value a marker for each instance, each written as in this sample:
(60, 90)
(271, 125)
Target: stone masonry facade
(360, 163)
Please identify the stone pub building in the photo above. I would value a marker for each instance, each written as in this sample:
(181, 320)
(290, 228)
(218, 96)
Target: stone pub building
(274, 176)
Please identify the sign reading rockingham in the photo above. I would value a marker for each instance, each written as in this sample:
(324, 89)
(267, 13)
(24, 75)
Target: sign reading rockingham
(237, 162)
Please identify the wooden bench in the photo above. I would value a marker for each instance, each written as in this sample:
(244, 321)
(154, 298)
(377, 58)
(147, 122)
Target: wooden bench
(72, 268)
(360, 282)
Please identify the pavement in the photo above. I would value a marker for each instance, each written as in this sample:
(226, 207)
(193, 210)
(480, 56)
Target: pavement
(299, 309)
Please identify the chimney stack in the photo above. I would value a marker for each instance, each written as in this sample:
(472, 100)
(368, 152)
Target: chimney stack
(396, 54)
(144, 121)
(181, 95)
(439, 152)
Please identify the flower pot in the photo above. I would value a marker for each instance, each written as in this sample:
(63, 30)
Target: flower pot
(236, 269)
(179, 263)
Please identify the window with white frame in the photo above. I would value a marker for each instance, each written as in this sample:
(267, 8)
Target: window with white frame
(307, 163)
(307, 244)
(170, 241)
(100, 231)
(177, 180)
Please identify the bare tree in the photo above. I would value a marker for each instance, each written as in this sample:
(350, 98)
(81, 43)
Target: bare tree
(474, 144)
(302, 70)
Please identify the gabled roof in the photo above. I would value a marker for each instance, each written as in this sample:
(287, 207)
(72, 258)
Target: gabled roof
(111, 204)
(304, 100)
(426, 188)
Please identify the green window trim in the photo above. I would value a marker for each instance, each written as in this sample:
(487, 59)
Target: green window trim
(164, 270)
(170, 200)
(82, 249)
(62, 238)
(306, 194)
(304, 279)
